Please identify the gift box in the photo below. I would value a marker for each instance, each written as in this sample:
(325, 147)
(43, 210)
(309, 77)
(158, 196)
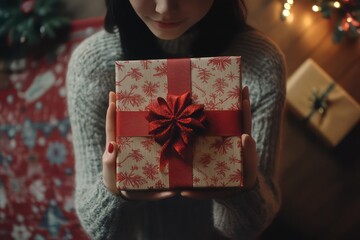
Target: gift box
(321, 103)
(178, 123)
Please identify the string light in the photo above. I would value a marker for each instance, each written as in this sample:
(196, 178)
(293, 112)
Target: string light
(316, 8)
(286, 9)
(347, 15)
(336, 4)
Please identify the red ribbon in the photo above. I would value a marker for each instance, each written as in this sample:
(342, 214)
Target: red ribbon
(174, 123)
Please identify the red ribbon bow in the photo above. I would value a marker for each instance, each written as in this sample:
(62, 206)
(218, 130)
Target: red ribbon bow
(174, 122)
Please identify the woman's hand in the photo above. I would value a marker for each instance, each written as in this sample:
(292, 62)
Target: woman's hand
(109, 156)
(250, 157)
(109, 161)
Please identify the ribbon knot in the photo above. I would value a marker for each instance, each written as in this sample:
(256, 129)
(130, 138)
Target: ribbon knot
(319, 102)
(173, 123)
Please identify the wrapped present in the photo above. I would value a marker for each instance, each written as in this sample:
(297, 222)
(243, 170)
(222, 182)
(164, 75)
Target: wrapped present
(324, 105)
(178, 123)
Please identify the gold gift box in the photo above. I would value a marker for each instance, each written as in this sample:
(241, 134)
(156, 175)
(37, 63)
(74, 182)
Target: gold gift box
(316, 98)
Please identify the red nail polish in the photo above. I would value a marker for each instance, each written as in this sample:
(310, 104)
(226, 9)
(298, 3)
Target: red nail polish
(110, 148)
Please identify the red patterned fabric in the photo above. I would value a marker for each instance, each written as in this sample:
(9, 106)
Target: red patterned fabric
(36, 155)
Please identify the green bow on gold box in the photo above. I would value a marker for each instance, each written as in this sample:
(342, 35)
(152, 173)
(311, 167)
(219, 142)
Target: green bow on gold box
(316, 98)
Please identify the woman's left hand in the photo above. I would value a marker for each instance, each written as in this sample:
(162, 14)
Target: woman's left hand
(249, 153)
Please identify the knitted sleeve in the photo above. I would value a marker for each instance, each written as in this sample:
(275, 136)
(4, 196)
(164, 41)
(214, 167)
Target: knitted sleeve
(263, 66)
(88, 83)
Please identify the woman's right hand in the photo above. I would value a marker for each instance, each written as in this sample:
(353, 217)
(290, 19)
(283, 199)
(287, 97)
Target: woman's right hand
(109, 161)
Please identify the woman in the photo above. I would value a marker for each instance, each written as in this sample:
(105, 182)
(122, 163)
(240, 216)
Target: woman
(149, 29)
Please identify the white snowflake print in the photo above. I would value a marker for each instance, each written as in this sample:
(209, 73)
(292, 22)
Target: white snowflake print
(20, 232)
(37, 189)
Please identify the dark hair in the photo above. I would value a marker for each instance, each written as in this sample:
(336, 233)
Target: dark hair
(224, 19)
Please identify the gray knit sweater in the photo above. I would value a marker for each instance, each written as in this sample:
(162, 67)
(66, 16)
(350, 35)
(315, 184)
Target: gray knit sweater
(104, 215)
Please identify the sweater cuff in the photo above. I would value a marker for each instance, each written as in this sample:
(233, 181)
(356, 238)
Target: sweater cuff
(96, 207)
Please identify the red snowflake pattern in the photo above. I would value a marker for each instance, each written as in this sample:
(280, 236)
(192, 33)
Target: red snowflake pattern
(195, 98)
(130, 98)
(161, 70)
(211, 103)
(235, 93)
(231, 76)
(148, 143)
(219, 85)
(146, 64)
(150, 89)
(236, 177)
(159, 185)
(234, 160)
(134, 74)
(205, 175)
(119, 66)
(196, 180)
(239, 143)
(195, 85)
(124, 143)
(150, 170)
(134, 155)
(206, 159)
(220, 63)
(134, 168)
(222, 145)
(235, 106)
(221, 168)
(204, 74)
(130, 179)
(214, 180)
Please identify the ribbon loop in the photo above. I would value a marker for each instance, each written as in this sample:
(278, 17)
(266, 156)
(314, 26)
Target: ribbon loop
(173, 123)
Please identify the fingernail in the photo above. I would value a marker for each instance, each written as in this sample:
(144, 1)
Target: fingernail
(111, 148)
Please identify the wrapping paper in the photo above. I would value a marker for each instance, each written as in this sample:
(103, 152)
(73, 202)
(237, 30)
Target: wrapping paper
(316, 98)
(214, 159)
(37, 165)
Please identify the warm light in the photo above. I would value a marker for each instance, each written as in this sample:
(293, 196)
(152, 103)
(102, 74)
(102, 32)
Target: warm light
(336, 4)
(285, 12)
(287, 6)
(316, 8)
(306, 20)
(349, 19)
(290, 18)
(286, 9)
(345, 26)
